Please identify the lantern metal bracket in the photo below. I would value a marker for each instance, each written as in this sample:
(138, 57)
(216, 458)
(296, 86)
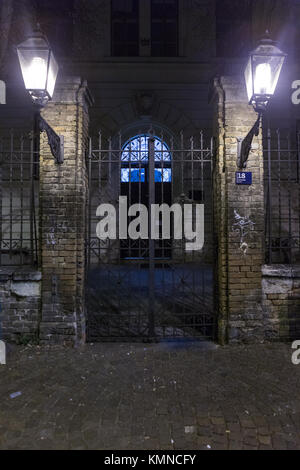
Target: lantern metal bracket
(244, 145)
(55, 141)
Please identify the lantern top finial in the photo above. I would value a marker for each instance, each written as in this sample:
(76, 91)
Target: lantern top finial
(37, 39)
(266, 40)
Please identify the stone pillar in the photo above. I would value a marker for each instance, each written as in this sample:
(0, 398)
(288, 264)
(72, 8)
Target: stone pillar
(63, 195)
(239, 218)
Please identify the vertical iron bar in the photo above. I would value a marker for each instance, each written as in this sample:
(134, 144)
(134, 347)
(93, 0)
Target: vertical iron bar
(161, 243)
(130, 242)
(11, 196)
(279, 192)
(119, 153)
(298, 181)
(290, 178)
(151, 241)
(172, 187)
(32, 198)
(89, 229)
(192, 167)
(214, 290)
(202, 166)
(21, 199)
(140, 242)
(269, 197)
(100, 159)
(1, 208)
(182, 162)
(35, 176)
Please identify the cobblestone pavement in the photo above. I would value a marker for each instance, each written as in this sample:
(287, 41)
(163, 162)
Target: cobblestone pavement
(165, 396)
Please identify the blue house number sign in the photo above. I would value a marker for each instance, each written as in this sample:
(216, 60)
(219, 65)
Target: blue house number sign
(243, 177)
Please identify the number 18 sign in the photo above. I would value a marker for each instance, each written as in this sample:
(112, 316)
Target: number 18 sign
(243, 177)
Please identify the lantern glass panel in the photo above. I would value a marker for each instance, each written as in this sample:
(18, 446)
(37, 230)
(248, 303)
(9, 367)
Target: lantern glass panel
(34, 66)
(262, 71)
(38, 65)
(266, 72)
(52, 75)
(249, 79)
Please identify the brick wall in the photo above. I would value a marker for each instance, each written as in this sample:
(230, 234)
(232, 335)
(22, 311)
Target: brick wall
(253, 305)
(239, 256)
(281, 298)
(20, 305)
(63, 194)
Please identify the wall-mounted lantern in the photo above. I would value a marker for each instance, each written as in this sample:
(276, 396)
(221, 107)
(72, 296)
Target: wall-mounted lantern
(39, 69)
(261, 74)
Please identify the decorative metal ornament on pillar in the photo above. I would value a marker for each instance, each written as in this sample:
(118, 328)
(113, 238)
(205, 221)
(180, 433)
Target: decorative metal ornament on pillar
(55, 141)
(245, 144)
(261, 75)
(39, 70)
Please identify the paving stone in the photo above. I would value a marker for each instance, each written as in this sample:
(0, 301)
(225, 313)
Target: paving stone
(264, 440)
(60, 410)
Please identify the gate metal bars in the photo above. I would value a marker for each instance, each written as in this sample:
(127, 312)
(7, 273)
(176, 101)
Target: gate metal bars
(282, 196)
(19, 196)
(149, 289)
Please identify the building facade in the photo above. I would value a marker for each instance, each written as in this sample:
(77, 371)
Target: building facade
(155, 117)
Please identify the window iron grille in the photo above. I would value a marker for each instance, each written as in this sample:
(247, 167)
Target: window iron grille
(19, 200)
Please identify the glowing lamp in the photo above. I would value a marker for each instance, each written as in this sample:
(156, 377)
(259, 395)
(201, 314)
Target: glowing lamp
(262, 72)
(39, 67)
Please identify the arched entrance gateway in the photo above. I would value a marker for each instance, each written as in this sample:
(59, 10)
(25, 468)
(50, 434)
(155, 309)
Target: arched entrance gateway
(149, 275)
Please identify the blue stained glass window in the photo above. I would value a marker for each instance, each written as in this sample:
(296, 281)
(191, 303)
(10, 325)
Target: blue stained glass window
(163, 175)
(136, 175)
(136, 149)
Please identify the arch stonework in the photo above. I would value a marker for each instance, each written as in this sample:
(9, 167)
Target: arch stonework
(128, 119)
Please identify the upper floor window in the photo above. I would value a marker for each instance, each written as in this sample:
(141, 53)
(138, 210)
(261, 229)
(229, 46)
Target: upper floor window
(233, 27)
(56, 19)
(144, 28)
(125, 27)
(164, 28)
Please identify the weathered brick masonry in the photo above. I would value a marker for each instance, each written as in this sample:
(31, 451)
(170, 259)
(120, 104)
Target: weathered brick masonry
(20, 305)
(63, 194)
(240, 248)
(281, 298)
(255, 302)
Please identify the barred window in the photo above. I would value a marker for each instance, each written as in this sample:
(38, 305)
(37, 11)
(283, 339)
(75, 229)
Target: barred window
(135, 158)
(56, 19)
(144, 28)
(125, 28)
(164, 28)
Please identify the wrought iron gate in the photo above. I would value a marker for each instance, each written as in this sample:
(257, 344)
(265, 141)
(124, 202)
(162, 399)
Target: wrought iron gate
(282, 196)
(19, 199)
(146, 289)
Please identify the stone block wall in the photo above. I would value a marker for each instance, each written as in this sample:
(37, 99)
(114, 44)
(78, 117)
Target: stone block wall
(20, 305)
(281, 300)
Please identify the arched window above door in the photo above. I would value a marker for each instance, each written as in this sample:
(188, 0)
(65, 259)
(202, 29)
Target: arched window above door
(135, 158)
(136, 149)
